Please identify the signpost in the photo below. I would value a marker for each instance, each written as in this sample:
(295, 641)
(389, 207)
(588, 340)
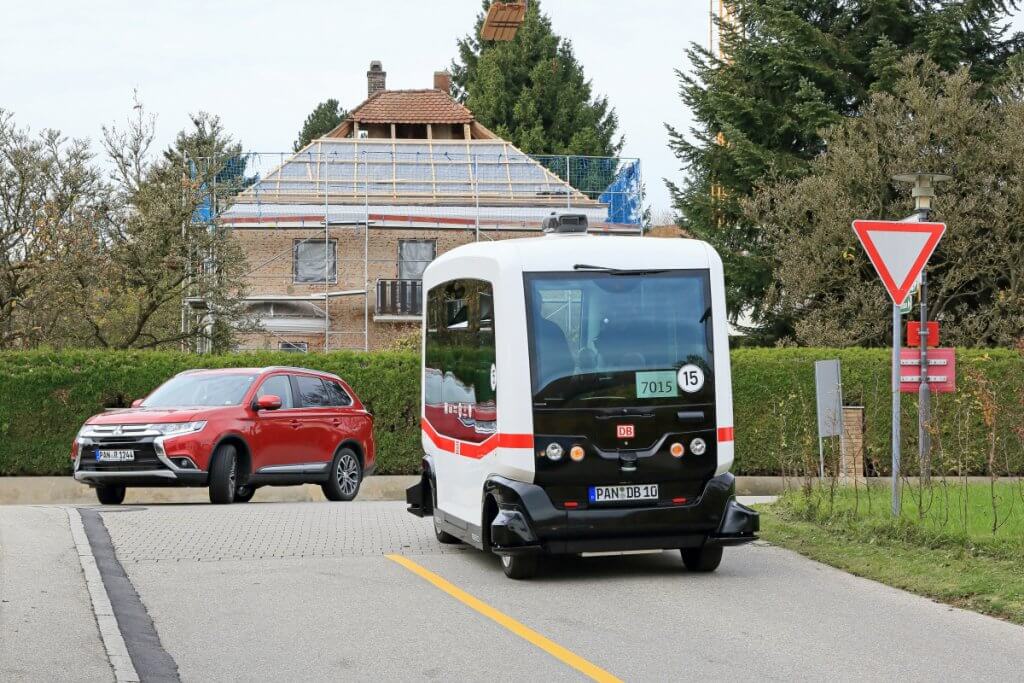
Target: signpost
(941, 371)
(899, 251)
(828, 387)
(914, 333)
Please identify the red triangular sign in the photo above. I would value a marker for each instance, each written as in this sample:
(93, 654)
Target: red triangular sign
(898, 251)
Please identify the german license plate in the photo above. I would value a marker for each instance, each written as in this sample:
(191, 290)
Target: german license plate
(625, 492)
(115, 456)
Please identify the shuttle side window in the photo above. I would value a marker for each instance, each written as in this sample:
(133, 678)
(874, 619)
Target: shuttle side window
(460, 394)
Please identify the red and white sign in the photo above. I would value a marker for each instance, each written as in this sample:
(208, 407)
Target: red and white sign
(941, 370)
(898, 251)
(625, 431)
(914, 333)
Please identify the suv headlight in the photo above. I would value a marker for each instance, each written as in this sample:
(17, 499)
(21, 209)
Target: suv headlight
(178, 428)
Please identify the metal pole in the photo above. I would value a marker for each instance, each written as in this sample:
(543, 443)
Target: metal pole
(923, 193)
(896, 341)
(568, 181)
(924, 392)
(821, 458)
(476, 195)
(366, 254)
(923, 206)
(327, 256)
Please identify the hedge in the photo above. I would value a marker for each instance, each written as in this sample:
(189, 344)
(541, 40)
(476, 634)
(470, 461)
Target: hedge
(46, 395)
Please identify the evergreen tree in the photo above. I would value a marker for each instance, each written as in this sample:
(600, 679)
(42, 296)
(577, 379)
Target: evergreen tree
(324, 118)
(532, 91)
(787, 70)
(933, 120)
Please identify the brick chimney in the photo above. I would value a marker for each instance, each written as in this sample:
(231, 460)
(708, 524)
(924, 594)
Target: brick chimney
(375, 78)
(442, 81)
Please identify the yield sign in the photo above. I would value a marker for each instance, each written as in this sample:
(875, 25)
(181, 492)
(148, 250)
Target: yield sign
(898, 251)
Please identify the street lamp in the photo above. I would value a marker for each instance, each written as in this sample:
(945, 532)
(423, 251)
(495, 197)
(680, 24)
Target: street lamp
(923, 193)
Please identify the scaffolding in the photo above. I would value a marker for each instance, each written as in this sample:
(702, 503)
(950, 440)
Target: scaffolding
(374, 204)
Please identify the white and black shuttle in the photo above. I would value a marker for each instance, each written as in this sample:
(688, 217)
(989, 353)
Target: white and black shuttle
(577, 399)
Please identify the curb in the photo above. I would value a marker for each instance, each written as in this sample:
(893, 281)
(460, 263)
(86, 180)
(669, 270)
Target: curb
(67, 491)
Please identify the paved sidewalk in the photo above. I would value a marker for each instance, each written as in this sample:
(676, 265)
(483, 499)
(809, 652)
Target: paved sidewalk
(47, 627)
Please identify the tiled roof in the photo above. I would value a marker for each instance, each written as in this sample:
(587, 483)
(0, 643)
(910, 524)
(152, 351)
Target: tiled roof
(411, 106)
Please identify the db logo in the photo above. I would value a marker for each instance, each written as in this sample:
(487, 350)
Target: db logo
(625, 431)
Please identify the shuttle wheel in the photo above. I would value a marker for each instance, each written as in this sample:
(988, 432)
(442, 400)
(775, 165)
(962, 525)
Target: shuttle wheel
(703, 559)
(520, 566)
(441, 536)
(444, 536)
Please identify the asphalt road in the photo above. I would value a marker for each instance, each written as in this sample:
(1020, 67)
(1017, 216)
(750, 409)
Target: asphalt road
(292, 591)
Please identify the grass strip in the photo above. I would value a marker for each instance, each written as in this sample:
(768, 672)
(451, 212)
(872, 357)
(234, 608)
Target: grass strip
(963, 575)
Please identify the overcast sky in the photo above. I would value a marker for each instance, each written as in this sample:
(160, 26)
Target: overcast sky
(262, 65)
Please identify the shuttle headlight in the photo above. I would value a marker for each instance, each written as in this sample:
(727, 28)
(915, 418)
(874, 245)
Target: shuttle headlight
(577, 453)
(554, 451)
(697, 446)
(677, 450)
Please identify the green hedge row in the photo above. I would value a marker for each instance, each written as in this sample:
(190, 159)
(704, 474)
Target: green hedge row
(45, 396)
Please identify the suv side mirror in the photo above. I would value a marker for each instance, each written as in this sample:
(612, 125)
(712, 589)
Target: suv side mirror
(268, 402)
(136, 403)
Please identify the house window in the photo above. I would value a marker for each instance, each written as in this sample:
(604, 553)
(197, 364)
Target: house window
(413, 258)
(309, 263)
(294, 347)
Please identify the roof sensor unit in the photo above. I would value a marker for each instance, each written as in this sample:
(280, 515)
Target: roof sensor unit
(567, 223)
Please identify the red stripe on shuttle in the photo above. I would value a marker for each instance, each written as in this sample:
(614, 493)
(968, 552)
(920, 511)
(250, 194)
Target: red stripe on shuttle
(475, 450)
(725, 434)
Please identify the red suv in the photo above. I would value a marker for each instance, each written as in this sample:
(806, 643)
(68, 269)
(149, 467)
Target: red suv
(233, 430)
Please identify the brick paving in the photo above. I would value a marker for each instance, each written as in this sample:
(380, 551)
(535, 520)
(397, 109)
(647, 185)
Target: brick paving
(208, 533)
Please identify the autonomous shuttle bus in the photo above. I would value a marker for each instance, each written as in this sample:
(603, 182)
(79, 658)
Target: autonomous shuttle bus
(576, 398)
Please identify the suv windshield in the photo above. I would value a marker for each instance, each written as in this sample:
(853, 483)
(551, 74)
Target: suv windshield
(186, 391)
(616, 338)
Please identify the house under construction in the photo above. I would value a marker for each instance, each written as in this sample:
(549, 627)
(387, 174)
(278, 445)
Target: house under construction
(338, 234)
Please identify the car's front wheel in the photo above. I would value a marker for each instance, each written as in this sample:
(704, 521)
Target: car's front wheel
(703, 559)
(345, 478)
(223, 475)
(243, 494)
(110, 495)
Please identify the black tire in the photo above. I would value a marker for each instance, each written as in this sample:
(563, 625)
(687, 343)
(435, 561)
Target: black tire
(243, 494)
(223, 475)
(703, 559)
(346, 476)
(441, 536)
(110, 494)
(520, 566)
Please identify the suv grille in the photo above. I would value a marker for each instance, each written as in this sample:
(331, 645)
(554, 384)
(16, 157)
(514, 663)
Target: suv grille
(145, 455)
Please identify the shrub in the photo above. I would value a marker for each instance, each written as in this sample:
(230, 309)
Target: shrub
(46, 395)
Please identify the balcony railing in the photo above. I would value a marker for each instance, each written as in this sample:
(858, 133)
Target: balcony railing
(402, 298)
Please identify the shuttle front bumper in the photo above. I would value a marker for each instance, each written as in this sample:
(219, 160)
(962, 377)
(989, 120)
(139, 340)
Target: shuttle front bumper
(527, 521)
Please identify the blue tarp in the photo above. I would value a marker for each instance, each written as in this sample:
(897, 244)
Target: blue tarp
(623, 196)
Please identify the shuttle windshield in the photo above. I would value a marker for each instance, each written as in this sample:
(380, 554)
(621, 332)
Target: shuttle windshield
(609, 338)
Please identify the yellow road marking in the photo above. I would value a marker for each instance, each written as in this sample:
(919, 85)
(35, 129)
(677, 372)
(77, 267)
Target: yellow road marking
(526, 633)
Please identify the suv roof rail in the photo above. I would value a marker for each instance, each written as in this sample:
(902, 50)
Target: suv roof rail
(298, 369)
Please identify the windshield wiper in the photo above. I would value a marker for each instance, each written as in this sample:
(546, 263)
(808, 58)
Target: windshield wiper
(618, 271)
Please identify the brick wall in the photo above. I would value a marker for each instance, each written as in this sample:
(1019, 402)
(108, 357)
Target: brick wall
(269, 253)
